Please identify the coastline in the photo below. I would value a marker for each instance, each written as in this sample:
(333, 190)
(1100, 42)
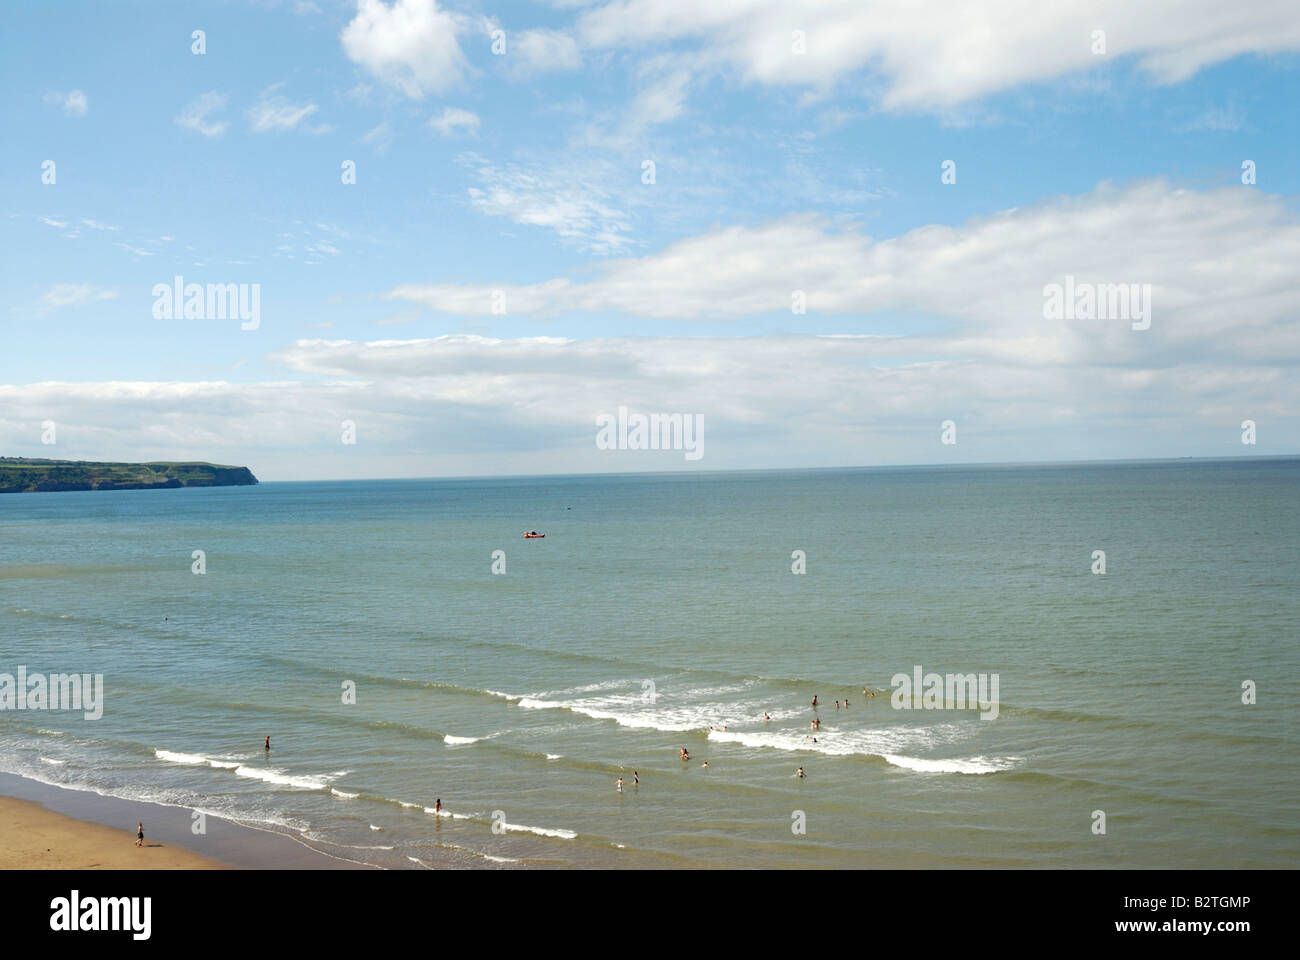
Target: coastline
(47, 827)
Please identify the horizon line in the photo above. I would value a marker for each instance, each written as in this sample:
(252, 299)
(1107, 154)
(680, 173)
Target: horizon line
(888, 466)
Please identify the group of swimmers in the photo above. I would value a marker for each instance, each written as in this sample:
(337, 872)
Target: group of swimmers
(816, 725)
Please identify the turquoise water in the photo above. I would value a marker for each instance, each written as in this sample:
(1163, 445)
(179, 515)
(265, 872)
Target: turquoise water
(656, 607)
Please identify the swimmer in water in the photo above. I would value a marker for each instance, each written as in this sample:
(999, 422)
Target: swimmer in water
(706, 763)
(620, 784)
(767, 716)
(268, 743)
(814, 701)
(685, 755)
(636, 779)
(800, 774)
(437, 806)
(837, 704)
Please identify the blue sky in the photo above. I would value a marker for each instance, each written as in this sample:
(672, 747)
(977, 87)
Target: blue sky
(522, 172)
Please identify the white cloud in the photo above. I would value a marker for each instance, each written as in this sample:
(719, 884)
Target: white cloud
(1216, 119)
(378, 137)
(1220, 264)
(74, 102)
(454, 120)
(273, 112)
(97, 225)
(940, 53)
(474, 405)
(412, 45)
(532, 52)
(569, 200)
(197, 114)
(75, 295)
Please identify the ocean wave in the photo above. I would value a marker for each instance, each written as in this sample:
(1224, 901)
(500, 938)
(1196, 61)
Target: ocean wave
(967, 765)
(281, 779)
(343, 795)
(874, 742)
(195, 760)
(448, 739)
(558, 832)
(173, 756)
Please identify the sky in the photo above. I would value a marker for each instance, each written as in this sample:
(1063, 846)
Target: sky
(824, 231)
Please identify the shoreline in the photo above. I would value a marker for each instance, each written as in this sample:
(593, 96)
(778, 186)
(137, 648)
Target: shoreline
(49, 827)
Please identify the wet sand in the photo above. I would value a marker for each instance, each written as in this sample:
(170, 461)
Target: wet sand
(35, 838)
(45, 827)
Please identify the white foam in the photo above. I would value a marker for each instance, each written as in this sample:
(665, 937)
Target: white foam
(342, 795)
(194, 760)
(968, 765)
(448, 814)
(373, 827)
(51, 760)
(455, 741)
(871, 742)
(281, 779)
(645, 720)
(488, 856)
(172, 756)
(684, 713)
(554, 756)
(540, 831)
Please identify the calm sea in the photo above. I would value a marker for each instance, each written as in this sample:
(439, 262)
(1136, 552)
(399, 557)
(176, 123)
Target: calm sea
(656, 607)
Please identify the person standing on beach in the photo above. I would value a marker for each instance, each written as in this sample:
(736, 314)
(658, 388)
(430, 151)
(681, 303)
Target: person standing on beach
(139, 834)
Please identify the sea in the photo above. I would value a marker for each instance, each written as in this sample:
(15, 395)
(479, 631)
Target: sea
(1135, 625)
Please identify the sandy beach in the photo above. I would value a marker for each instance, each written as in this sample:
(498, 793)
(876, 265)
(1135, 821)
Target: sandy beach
(43, 826)
(39, 839)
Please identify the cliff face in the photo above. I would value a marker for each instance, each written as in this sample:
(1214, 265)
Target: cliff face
(27, 475)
